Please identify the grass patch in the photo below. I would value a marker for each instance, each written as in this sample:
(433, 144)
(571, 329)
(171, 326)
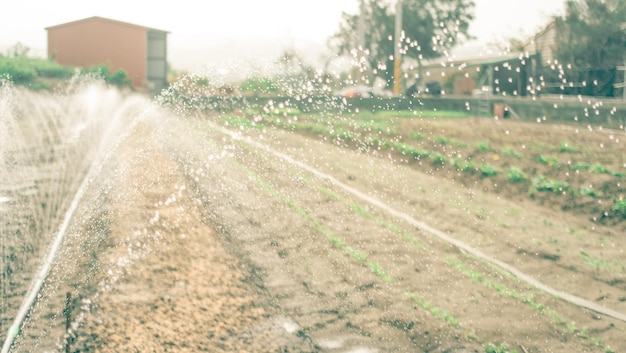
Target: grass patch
(238, 121)
(422, 114)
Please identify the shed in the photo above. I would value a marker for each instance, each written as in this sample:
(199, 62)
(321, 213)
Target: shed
(93, 41)
(544, 44)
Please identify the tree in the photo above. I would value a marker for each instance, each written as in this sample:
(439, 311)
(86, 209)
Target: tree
(430, 29)
(591, 43)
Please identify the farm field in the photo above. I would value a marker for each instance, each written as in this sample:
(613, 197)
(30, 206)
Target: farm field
(272, 230)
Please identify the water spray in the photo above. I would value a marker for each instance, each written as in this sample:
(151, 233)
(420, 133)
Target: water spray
(103, 152)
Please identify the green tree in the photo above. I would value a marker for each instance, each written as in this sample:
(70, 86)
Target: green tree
(430, 29)
(591, 43)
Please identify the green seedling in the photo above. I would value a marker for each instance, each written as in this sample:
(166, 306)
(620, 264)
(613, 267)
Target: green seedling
(488, 170)
(510, 152)
(516, 175)
(483, 146)
(547, 160)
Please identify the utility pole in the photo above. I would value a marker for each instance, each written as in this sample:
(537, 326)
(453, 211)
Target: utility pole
(397, 55)
(361, 49)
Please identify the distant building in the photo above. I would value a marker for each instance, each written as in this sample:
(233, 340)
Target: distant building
(544, 44)
(93, 41)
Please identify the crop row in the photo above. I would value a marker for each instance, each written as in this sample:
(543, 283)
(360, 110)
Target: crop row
(378, 270)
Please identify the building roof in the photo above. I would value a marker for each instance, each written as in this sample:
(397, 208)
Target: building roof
(98, 18)
(474, 61)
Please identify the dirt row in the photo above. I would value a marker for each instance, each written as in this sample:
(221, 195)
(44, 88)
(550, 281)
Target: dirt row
(192, 241)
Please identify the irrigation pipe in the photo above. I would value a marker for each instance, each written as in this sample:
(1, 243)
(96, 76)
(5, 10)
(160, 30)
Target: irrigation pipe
(583, 303)
(44, 270)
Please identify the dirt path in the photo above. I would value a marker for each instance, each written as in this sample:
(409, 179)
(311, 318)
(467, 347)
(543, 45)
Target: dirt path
(177, 287)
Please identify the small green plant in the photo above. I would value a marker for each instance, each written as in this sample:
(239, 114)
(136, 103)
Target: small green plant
(549, 161)
(438, 158)
(483, 146)
(463, 165)
(436, 311)
(417, 136)
(619, 206)
(600, 169)
(500, 348)
(566, 147)
(580, 166)
(442, 140)
(488, 170)
(593, 262)
(510, 152)
(542, 183)
(516, 175)
(596, 168)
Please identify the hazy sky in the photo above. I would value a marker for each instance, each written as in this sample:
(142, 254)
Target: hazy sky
(216, 32)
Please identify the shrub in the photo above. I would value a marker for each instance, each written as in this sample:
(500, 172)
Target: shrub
(18, 69)
(118, 78)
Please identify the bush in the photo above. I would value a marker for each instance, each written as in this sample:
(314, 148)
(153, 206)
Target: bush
(117, 78)
(18, 69)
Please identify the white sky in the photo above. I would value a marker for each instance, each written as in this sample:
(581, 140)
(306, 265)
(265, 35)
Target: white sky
(214, 32)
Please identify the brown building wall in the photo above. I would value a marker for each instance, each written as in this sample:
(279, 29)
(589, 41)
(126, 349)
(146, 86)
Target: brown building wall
(96, 41)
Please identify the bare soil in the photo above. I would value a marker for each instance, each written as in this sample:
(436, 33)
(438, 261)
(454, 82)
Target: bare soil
(192, 241)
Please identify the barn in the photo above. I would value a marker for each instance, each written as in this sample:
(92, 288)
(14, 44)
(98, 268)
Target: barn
(93, 41)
